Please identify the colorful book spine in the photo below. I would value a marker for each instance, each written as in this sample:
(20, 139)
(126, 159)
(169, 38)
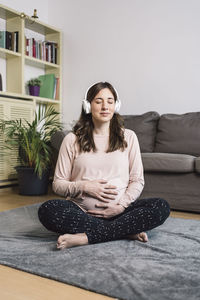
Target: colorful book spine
(57, 88)
(3, 39)
(16, 41)
(44, 50)
(1, 84)
(9, 40)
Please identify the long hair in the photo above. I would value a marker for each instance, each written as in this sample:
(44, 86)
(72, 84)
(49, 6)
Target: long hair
(83, 129)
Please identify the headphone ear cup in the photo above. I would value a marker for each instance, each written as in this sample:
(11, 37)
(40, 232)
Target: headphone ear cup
(117, 105)
(86, 106)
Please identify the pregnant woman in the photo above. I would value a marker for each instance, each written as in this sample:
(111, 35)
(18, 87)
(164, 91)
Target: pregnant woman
(100, 173)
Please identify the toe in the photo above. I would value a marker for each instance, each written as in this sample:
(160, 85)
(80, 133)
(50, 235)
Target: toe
(140, 238)
(144, 237)
(60, 239)
(60, 246)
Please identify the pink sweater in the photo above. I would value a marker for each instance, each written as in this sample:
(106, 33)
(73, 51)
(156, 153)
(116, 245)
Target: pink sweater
(122, 169)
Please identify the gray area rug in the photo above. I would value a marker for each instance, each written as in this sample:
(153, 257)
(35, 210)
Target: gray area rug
(167, 267)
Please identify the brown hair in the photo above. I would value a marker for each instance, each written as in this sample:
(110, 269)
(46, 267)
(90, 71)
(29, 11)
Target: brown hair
(83, 129)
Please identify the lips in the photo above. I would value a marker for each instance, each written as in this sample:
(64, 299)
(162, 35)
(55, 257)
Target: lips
(104, 114)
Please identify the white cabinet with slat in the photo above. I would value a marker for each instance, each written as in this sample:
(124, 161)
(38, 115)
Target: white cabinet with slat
(12, 109)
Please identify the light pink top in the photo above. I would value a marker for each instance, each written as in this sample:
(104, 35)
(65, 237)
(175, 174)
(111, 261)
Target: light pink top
(122, 169)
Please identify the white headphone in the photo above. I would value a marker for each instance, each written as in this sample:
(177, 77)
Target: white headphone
(87, 105)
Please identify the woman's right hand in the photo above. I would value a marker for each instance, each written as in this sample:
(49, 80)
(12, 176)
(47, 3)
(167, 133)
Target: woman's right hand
(100, 189)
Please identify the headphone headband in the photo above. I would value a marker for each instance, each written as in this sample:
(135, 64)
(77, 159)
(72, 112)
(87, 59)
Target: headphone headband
(93, 85)
(87, 105)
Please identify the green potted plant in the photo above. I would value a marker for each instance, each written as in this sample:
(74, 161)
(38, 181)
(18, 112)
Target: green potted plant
(35, 152)
(34, 85)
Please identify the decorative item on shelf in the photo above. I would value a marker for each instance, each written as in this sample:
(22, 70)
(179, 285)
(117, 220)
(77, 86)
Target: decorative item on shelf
(35, 16)
(35, 151)
(30, 19)
(34, 86)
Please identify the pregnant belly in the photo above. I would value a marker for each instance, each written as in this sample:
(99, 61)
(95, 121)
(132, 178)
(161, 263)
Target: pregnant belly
(89, 203)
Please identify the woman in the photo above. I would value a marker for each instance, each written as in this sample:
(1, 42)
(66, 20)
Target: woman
(99, 171)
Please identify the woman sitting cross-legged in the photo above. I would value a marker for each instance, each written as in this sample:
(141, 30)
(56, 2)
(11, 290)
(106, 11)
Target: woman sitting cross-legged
(100, 172)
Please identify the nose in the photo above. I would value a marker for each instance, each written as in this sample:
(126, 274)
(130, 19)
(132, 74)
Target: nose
(104, 106)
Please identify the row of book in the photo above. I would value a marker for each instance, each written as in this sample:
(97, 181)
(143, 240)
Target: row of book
(44, 50)
(49, 86)
(9, 40)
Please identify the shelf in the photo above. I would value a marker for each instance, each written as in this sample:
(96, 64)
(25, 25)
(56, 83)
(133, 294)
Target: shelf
(27, 97)
(40, 27)
(5, 53)
(15, 96)
(8, 13)
(35, 62)
(45, 100)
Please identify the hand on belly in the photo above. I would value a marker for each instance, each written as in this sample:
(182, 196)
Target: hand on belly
(99, 192)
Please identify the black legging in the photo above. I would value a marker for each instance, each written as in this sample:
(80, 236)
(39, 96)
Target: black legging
(64, 216)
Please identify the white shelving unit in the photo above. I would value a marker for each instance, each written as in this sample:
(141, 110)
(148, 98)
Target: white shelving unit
(15, 98)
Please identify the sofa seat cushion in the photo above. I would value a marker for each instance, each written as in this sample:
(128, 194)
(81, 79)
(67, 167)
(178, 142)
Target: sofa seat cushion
(145, 127)
(197, 164)
(168, 162)
(179, 133)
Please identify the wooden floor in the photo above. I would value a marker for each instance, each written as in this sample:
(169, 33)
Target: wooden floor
(18, 285)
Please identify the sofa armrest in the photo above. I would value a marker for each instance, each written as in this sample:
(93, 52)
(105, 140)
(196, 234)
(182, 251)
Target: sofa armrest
(197, 164)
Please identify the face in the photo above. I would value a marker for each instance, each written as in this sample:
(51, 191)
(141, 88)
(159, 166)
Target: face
(103, 106)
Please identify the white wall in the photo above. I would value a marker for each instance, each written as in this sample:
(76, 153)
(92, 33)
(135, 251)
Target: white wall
(148, 49)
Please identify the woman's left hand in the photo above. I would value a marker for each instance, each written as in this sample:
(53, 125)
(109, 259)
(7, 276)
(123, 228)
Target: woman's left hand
(110, 210)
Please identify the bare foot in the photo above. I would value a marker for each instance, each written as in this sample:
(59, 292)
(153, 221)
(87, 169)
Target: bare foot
(71, 240)
(142, 237)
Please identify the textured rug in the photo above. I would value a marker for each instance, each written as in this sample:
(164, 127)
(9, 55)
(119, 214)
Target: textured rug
(167, 267)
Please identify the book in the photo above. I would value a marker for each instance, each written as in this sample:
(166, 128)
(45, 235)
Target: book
(2, 39)
(9, 40)
(45, 50)
(12, 41)
(1, 85)
(57, 88)
(27, 46)
(16, 41)
(48, 86)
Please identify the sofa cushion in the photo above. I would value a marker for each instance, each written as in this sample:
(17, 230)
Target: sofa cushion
(179, 134)
(168, 162)
(145, 128)
(197, 164)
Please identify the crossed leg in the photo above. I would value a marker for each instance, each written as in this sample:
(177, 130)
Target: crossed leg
(78, 228)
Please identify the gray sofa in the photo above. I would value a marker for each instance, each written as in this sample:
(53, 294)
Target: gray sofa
(170, 147)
